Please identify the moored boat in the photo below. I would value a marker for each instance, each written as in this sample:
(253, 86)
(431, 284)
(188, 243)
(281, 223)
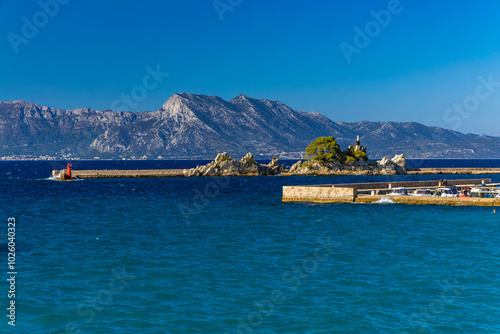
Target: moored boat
(484, 192)
(422, 193)
(446, 192)
(465, 192)
(399, 191)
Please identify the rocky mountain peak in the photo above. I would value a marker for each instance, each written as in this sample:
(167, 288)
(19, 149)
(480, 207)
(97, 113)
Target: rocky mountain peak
(22, 104)
(240, 97)
(196, 126)
(191, 99)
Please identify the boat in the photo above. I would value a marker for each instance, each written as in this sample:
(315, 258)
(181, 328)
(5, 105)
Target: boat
(446, 192)
(399, 191)
(465, 192)
(422, 193)
(484, 192)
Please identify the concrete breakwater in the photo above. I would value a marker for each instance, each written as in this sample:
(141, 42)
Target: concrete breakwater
(102, 174)
(380, 186)
(474, 201)
(369, 193)
(93, 174)
(419, 171)
(96, 174)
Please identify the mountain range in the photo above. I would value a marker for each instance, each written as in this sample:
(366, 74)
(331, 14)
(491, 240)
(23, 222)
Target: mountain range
(190, 126)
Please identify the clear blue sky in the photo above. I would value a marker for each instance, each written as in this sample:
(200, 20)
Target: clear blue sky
(414, 68)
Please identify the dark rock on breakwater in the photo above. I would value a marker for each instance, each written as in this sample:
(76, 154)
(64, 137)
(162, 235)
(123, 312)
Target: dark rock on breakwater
(224, 165)
(396, 165)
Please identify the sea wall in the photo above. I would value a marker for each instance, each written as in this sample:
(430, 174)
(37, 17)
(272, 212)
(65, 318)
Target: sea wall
(97, 174)
(318, 194)
(353, 192)
(415, 200)
(421, 171)
(408, 184)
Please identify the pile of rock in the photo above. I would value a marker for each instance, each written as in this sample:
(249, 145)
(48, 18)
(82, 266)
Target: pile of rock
(224, 165)
(396, 165)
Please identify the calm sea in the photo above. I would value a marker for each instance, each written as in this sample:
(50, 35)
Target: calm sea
(225, 255)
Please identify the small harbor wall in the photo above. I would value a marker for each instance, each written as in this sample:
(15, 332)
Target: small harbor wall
(421, 171)
(95, 174)
(407, 184)
(318, 194)
(353, 192)
(415, 200)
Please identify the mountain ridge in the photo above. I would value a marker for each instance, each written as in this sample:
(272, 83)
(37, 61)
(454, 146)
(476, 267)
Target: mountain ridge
(197, 126)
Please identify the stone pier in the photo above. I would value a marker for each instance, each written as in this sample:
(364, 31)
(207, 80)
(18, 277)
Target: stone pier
(62, 175)
(369, 193)
(318, 194)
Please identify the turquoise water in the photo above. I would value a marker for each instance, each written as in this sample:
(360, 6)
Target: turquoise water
(225, 255)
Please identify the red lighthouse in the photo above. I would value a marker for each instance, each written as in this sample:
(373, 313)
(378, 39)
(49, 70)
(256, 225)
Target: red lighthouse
(68, 166)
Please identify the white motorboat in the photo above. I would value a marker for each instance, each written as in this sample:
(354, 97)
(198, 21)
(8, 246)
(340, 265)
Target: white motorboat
(422, 193)
(484, 192)
(447, 192)
(399, 191)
